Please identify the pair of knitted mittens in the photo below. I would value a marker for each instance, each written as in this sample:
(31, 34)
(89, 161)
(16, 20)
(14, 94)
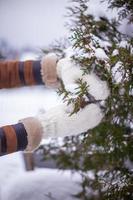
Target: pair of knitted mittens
(56, 122)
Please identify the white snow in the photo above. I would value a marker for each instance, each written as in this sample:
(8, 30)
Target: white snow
(43, 184)
(28, 56)
(100, 54)
(10, 166)
(117, 72)
(115, 52)
(23, 102)
(40, 184)
(98, 10)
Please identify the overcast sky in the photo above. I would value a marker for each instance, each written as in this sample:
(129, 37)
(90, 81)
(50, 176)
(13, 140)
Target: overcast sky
(32, 22)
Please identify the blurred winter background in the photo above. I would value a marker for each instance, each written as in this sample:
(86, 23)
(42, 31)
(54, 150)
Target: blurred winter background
(27, 26)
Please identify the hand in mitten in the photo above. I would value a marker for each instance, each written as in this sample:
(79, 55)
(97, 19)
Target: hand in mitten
(69, 73)
(56, 122)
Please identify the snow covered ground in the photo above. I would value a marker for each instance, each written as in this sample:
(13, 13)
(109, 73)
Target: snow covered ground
(41, 184)
(22, 102)
(48, 184)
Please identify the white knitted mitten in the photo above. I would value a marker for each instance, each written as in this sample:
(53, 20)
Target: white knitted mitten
(57, 122)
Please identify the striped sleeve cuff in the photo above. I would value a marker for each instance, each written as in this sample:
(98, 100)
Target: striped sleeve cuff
(30, 73)
(16, 74)
(13, 138)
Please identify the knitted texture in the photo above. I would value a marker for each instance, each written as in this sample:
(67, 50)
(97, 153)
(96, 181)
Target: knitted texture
(57, 121)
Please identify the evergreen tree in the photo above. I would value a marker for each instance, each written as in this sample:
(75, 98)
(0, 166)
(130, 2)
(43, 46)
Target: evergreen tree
(106, 150)
(126, 10)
